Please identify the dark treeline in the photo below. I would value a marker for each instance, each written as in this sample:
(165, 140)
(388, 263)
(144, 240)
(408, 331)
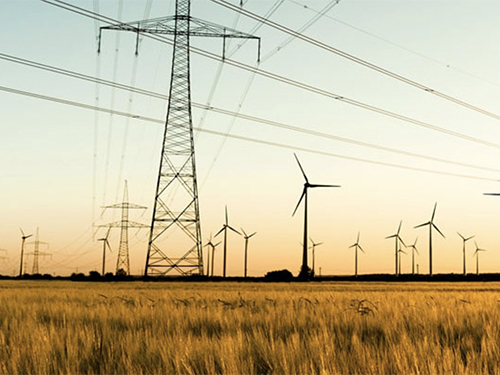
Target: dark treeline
(272, 276)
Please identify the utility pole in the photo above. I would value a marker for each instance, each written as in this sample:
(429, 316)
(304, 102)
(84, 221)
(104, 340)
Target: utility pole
(123, 260)
(175, 241)
(36, 252)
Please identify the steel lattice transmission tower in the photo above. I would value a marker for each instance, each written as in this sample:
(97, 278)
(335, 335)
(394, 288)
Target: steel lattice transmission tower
(175, 241)
(123, 259)
(36, 252)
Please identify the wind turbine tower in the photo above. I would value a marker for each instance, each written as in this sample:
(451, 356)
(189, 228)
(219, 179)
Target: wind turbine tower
(400, 251)
(313, 248)
(210, 272)
(476, 253)
(105, 244)
(431, 225)
(23, 241)
(224, 229)
(123, 259)
(246, 237)
(464, 240)
(398, 240)
(413, 251)
(304, 270)
(175, 241)
(356, 247)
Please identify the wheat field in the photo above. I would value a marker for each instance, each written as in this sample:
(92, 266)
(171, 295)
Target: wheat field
(61, 327)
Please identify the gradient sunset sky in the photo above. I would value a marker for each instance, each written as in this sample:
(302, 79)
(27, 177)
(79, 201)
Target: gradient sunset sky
(60, 164)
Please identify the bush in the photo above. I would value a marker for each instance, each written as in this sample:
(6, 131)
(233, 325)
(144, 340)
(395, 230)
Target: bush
(281, 275)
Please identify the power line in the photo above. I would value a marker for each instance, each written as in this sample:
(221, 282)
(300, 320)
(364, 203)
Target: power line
(243, 138)
(236, 114)
(390, 42)
(356, 60)
(298, 84)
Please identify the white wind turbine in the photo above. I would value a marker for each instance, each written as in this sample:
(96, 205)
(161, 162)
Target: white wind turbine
(356, 247)
(313, 248)
(304, 270)
(464, 239)
(224, 229)
(397, 240)
(476, 253)
(246, 237)
(431, 225)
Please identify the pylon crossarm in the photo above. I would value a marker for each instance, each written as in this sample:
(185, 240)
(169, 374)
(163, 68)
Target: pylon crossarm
(166, 26)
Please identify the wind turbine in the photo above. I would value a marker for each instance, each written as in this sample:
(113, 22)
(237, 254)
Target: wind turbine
(431, 225)
(313, 247)
(105, 243)
(463, 248)
(400, 251)
(224, 229)
(476, 253)
(356, 247)
(213, 246)
(23, 240)
(413, 250)
(247, 237)
(397, 239)
(304, 270)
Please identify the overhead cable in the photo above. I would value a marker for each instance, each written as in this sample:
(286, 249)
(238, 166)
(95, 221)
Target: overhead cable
(355, 59)
(240, 115)
(244, 138)
(291, 82)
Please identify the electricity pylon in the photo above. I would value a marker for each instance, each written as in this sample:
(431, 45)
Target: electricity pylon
(123, 260)
(36, 252)
(175, 241)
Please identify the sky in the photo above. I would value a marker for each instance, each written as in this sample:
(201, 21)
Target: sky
(61, 164)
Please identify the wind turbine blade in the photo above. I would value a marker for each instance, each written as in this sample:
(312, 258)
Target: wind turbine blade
(217, 244)
(495, 194)
(392, 236)
(435, 227)
(399, 228)
(300, 200)
(469, 238)
(227, 222)
(356, 244)
(399, 238)
(321, 185)
(219, 232)
(415, 243)
(360, 248)
(107, 233)
(462, 237)
(358, 238)
(244, 233)
(253, 234)
(434, 211)
(321, 243)
(422, 225)
(234, 230)
(21, 231)
(302, 169)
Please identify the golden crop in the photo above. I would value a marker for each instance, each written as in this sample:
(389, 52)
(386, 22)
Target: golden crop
(59, 327)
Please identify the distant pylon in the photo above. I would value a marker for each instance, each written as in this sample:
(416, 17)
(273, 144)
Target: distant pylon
(175, 241)
(123, 259)
(36, 252)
